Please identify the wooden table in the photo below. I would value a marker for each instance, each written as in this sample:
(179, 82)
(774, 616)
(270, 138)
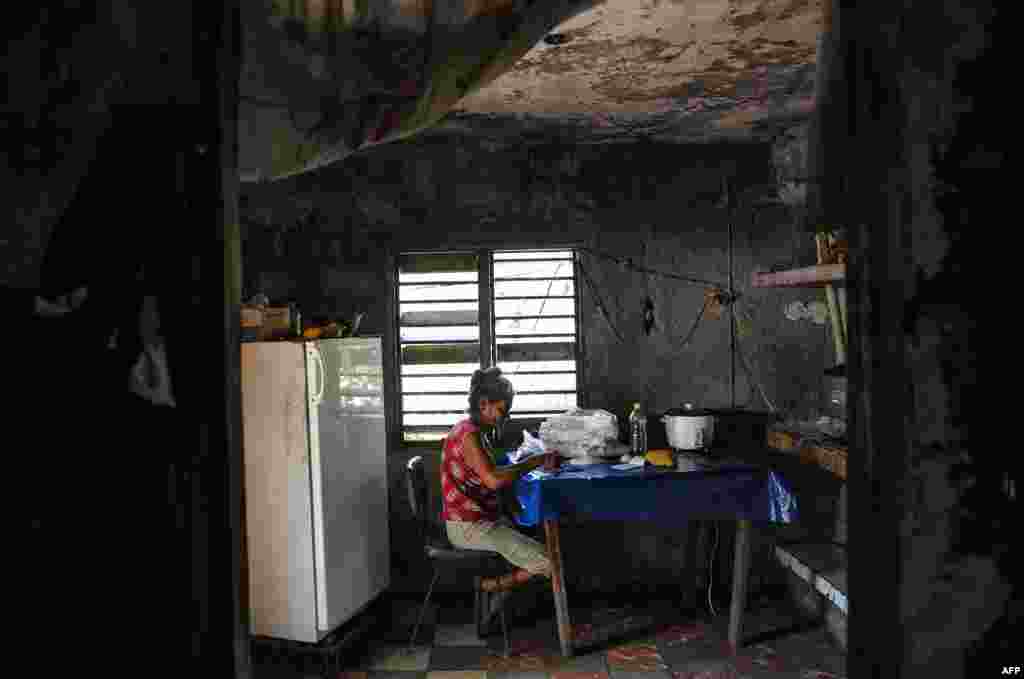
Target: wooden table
(741, 570)
(744, 493)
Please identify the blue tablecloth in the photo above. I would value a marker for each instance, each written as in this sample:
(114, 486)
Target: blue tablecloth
(655, 494)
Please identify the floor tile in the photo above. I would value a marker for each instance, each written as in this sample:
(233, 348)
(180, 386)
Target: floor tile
(579, 675)
(455, 613)
(392, 657)
(407, 611)
(457, 674)
(677, 635)
(448, 658)
(812, 651)
(630, 674)
(636, 657)
(458, 635)
(589, 663)
(517, 664)
(401, 634)
(515, 674)
(766, 657)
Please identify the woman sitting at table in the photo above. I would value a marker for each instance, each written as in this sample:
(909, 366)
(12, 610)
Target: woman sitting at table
(470, 484)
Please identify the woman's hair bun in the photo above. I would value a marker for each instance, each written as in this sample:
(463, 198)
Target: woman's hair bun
(482, 374)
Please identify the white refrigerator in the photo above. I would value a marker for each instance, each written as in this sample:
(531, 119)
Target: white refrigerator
(316, 491)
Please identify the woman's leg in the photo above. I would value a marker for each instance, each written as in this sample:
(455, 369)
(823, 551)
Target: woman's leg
(520, 550)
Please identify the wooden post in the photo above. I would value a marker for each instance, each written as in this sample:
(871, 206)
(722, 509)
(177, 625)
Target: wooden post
(838, 333)
(740, 572)
(203, 337)
(558, 586)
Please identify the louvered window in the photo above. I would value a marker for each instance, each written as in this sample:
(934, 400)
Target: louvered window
(459, 311)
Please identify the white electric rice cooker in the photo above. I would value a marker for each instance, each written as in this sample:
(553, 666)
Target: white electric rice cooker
(689, 428)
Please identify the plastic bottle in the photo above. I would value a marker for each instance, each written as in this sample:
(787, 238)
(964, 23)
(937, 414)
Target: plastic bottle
(637, 431)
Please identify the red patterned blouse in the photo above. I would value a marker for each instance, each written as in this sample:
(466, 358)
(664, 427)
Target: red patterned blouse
(464, 495)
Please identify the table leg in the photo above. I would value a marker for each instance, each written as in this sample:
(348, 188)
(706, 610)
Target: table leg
(740, 571)
(558, 586)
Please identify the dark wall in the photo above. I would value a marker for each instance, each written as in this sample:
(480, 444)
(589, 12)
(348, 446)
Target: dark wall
(659, 206)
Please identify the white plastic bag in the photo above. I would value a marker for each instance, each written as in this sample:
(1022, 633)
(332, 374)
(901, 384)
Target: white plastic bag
(530, 446)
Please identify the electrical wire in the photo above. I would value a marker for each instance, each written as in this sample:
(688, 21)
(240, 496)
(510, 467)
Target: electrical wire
(711, 579)
(599, 302)
(749, 372)
(643, 269)
(696, 323)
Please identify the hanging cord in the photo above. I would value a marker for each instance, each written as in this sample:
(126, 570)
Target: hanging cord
(711, 578)
(748, 371)
(696, 323)
(598, 301)
(628, 263)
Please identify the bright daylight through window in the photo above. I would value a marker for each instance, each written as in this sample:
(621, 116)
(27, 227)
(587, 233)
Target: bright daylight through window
(467, 310)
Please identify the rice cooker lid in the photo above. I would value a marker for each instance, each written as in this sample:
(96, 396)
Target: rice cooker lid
(688, 410)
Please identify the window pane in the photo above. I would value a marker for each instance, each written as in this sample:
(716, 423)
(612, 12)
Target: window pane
(537, 366)
(531, 402)
(442, 277)
(419, 293)
(548, 382)
(422, 436)
(533, 254)
(535, 307)
(441, 333)
(542, 361)
(438, 262)
(536, 326)
(536, 351)
(434, 369)
(447, 419)
(430, 383)
(547, 339)
(451, 313)
(435, 402)
(434, 354)
(521, 269)
(532, 288)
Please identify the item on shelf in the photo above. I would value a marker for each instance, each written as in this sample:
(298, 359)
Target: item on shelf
(830, 457)
(661, 457)
(251, 323)
(277, 322)
(782, 439)
(323, 331)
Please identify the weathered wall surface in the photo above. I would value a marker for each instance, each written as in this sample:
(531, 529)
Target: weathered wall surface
(660, 206)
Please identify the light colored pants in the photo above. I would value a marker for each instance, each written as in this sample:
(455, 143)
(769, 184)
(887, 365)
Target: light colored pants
(501, 537)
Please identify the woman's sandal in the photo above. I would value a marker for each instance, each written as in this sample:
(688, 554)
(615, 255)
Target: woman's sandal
(503, 583)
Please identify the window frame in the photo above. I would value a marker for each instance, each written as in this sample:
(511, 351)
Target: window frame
(487, 316)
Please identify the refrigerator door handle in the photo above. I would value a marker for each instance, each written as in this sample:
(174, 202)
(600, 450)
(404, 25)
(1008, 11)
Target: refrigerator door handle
(322, 372)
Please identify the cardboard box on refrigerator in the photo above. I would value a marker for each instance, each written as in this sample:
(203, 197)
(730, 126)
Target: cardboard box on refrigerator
(277, 322)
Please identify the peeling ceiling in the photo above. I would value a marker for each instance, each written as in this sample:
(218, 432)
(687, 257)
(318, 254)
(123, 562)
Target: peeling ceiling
(704, 68)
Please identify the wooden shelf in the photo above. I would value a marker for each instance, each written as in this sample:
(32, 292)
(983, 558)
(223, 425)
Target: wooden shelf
(808, 277)
(832, 458)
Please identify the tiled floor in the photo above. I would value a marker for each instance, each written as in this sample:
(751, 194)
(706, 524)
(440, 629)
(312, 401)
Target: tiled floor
(676, 646)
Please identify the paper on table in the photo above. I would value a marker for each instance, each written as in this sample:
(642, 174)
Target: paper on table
(635, 463)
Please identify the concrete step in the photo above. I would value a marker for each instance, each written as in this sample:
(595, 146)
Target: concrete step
(822, 566)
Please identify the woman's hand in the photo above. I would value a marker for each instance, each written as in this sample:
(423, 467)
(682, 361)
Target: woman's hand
(552, 461)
